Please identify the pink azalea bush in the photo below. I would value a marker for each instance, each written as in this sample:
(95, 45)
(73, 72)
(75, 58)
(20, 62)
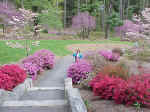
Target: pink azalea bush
(109, 55)
(79, 70)
(11, 76)
(128, 92)
(128, 26)
(40, 60)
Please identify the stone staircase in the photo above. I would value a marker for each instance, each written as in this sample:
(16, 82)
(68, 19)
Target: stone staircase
(47, 94)
(39, 99)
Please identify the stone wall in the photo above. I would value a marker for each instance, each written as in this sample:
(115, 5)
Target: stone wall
(17, 91)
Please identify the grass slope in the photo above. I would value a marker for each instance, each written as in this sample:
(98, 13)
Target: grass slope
(58, 47)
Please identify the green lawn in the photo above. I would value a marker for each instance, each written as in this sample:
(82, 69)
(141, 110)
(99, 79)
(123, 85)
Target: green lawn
(8, 54)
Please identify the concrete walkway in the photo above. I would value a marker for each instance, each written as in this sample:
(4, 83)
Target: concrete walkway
(55, 77)
(48, 93)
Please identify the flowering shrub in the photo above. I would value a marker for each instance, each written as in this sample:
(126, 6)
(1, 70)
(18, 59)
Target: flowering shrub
(79, 70)
(136, 89)
(97, 61)
(6, 82)
(109, 55)
(84, 22)
(46, 58)
(137, 29)
(32, 68)
(129, 92)
(116, 71)
(128, 26)
(11, 76)
(43, 59)
(104, 86)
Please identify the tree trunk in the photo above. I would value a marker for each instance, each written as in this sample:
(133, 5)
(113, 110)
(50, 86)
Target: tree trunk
(107, 13)
(6, 3)
(106, 31)
(22, 3)
(65, 14)
(127, 8)
(78, 6)
(121, 9)
(57, 4)
(103, 20)
(86, 2)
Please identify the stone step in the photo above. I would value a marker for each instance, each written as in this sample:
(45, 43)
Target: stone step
(44, 94)
(45, 88)
(35, 103)
(35, 106)
(35, 109)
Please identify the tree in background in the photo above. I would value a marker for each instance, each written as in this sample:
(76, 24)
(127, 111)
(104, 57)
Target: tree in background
(138, 28)
(84, 23)
(51, 19)
(21, 23)
(124, 8)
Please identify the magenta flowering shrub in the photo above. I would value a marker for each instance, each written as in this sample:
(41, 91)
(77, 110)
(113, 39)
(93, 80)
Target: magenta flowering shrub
(109, 55)
(128, 26)
(136, 89)
(40, 60)
(83, 20)
(104, 86)
(32, 68)
(11, 76)
(128, 92)
(6, 82)
(79, 70)
(84, 23)
(46, 58)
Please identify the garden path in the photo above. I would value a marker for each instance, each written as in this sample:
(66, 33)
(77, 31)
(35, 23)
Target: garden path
(47, 94)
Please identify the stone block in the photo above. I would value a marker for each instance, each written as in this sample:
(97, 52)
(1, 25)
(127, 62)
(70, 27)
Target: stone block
(75, 100)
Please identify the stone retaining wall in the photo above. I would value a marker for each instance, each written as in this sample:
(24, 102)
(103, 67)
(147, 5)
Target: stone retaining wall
(17, 91)
(74, 98)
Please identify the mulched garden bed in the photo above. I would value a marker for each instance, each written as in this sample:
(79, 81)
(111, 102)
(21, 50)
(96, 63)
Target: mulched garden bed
(99, 105)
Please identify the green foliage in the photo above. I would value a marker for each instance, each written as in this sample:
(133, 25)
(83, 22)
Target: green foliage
(34, 5)
(137, 105)
(45, 31)
(114, 20)
(51, 18)
(93, 8)
(86, 102)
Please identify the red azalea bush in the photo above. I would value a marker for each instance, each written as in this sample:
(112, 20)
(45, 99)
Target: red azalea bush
(134, 90)
(11, 76)
(6, 82)
(104, 85)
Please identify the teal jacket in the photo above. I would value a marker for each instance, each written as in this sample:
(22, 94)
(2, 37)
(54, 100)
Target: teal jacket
(79, 56)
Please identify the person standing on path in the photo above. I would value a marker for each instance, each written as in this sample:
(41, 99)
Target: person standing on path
(77, 56)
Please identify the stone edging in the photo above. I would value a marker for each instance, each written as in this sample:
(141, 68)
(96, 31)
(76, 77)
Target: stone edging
(17, 91)
(74, 98)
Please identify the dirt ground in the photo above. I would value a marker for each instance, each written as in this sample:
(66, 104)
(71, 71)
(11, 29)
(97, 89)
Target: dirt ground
(99, 105)
(94, 47)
